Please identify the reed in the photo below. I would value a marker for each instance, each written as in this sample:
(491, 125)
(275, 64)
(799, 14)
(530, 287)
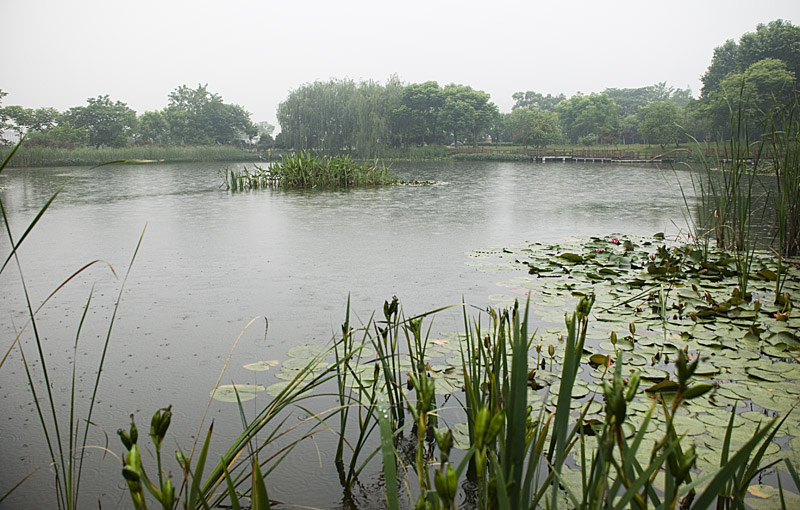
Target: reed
(66, 442)
(303, 170)
(784, 139)
(36, 156)
(245, 180)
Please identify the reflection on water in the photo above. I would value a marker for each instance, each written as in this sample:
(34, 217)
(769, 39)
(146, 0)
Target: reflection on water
(210, 261)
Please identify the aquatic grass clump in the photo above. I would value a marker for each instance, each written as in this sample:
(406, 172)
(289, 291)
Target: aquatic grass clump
(303, 170)
(244, 179)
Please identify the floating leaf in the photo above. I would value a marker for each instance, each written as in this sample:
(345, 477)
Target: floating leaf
(261, 366)
(306, 351)
(762, 374)
(572, 257)
(765, 497)
(228, 392)
(599, 359)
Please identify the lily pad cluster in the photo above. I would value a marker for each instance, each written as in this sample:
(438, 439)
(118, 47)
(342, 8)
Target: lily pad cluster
(656, 298)
(654, 301)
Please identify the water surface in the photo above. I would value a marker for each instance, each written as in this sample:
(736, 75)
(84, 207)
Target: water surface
(210, 261)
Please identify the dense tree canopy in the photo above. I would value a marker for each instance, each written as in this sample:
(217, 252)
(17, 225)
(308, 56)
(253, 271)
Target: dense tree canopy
(778, 39)
(752, 79)
(753, 96)
(596, 115)
(659, 123)
(199, 117)
(193, 117)
(465, 113)
(416, 116)
(532, 126)
(531, 99)
(153, 127)
(108, 123)
(366, 117)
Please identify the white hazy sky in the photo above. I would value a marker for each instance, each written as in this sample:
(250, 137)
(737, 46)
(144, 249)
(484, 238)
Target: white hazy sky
(253, 53)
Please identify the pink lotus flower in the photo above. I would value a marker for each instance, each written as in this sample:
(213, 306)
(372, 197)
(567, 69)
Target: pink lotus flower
(598, 250)
(615, 240)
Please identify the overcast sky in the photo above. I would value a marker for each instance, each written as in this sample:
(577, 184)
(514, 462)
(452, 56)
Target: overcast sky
(253, 53)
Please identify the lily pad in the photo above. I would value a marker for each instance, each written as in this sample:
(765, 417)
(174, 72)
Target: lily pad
(760, 373)
(229, 392)
(306, 351)
(261, 366)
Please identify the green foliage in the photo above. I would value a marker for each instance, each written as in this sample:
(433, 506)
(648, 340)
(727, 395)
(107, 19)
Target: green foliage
(723, 63)
(659, 123)
(631, 100)
(534, 127)
(753, 95)
(367, 119)
(595, 114)
(153, 127)
(302, 170)
(109, 124)
(339, 116)
(193, 117)
(465, 114)
(535, 100)
(415, 119)
(199, 117)
(778, 39)
(61, 136)
(26, 120)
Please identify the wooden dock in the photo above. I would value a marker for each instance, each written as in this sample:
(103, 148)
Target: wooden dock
(646, 156)
(542, 155)
(592, 159)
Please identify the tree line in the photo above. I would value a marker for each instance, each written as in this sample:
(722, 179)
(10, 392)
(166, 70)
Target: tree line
(191, 117)
(748, 83)
(752, 80)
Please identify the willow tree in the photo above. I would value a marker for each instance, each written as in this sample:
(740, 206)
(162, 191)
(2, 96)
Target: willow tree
(340, 116)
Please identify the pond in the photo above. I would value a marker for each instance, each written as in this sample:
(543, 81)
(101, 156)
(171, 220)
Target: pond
(210, 261)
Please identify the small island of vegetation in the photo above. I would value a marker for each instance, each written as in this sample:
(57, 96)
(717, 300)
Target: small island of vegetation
(303, 170)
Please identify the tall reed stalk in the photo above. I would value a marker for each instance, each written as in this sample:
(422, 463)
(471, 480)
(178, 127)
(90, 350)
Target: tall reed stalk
(66, 443)
(785, 144)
